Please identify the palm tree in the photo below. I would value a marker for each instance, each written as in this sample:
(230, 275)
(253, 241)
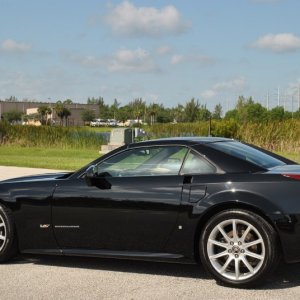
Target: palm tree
(62, 112)
(44, 111)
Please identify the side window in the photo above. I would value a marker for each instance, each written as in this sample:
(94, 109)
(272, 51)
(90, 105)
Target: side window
(144, 161)
(196, 164)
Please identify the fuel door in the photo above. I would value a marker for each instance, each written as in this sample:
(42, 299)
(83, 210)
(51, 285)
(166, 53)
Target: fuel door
(192, 192)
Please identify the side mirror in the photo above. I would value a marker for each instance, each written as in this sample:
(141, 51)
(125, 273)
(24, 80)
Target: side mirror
(90, 174)
(92, 178)
(91, 171)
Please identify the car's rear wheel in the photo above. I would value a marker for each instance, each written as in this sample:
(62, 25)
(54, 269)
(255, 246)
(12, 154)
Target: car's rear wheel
(8, 243)
(239, 248)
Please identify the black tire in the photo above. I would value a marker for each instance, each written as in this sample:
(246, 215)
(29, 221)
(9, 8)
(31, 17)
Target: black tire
(231, 259)
(8, 241)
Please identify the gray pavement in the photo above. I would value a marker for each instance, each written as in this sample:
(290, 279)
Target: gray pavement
(11, 172)
(50, 277)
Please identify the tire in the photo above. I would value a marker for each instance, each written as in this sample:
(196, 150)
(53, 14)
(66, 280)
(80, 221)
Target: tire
(239, 248)
(8, 241)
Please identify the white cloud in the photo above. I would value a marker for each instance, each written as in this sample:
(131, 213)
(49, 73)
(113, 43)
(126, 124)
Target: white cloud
(86, 61)
(163, 50)
(208, 94)
(191, 58)
(12, 46)
(126, 19)
(279, 43)
(124, 60)
(138, 60)
(235, 84)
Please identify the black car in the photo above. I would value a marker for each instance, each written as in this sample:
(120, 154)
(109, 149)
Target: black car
(232, 206)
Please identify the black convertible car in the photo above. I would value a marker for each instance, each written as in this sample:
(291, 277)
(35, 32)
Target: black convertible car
(232, 206)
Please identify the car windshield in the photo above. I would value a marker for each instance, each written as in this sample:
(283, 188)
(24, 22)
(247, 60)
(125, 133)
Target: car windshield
(248, 153)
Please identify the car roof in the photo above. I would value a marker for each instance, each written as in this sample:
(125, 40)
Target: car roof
(182, 141)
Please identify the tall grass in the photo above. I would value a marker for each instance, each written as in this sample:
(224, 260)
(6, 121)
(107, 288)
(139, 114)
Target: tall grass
(47, 136)
(276, 136)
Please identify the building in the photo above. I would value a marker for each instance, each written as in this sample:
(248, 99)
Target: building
(75, 109)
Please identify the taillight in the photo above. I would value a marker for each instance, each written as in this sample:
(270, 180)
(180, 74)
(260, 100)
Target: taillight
(293, 176)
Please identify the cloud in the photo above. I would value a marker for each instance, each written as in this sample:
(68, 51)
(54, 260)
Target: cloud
(191, 58)
(126, 19)
(163, 50)
(138, 60)
(86, 61)
(11, 46)
(124, 60)
(230, 85)
(279, 43)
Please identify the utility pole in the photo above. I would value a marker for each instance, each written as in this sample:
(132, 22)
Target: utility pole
(268, 100)
(278, 96)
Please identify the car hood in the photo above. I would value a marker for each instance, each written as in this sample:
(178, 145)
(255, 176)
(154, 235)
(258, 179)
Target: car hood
(289, 169)
(40, 177)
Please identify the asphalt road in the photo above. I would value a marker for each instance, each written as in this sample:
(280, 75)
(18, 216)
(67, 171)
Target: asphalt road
(49, 277)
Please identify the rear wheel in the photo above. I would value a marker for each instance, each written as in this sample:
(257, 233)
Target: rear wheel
(239, 248)
(8, 243)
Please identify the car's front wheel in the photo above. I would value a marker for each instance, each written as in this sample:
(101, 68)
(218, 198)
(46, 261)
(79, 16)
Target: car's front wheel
(239, 248)
(8, 242)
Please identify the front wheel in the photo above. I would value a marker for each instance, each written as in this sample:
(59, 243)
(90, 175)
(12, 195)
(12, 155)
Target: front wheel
(239, 248)
(8, 242)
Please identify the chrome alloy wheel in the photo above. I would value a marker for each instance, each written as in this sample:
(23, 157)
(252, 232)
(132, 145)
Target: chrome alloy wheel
(3, 233)
(236, 249)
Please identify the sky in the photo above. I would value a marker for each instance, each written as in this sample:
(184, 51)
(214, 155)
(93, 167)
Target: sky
(162, 51)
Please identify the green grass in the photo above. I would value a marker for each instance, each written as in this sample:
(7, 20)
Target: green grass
(51, 158)
(99, 129)
(61, 159)
(293, 156)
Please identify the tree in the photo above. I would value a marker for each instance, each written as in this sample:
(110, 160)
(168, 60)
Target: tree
(44, 111)
(12, 116)
(138, 107)
(62, 112)
(277, 113)
(191, 110)
(124, 113)
(103, 108)
(204, 114)
(88, 115)
(254, 112)
(59, 109)
(12, 99)
(246, 110)
(114, 109)
(231, 114)
(217, 113)
(177, 113)
(66, 114)
(68, 101)
(152, 110)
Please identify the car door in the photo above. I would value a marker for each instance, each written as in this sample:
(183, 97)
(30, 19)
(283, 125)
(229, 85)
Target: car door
(131, 204)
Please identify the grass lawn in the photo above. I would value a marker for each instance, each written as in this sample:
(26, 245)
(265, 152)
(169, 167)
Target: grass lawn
(54, 158)
(63, 159)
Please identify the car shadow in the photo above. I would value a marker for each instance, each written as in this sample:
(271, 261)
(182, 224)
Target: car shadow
(285, 276)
